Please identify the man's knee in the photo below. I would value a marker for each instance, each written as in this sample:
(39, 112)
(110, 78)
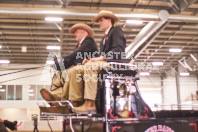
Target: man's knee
(76, 69)
(92, 66)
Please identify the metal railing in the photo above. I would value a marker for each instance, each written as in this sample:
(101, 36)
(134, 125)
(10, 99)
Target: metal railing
(176, 107)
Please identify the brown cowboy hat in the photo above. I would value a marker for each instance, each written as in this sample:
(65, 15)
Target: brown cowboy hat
(82, 26)
(105, 13)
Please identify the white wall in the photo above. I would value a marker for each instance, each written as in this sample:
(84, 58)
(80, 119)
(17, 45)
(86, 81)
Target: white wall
(149, 82)
(13, 114)
(150, 89)
(29, 77)
(188, 86)
(22, 110)
(169, 90)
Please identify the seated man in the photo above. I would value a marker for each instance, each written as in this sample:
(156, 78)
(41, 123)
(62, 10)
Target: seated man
(112, 47)
(86, 44)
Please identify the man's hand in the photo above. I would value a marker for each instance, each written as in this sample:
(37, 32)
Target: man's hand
(101, 58)
(84, 61)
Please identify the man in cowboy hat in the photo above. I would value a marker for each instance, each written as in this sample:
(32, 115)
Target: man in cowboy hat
(84, 49)
(112, 47)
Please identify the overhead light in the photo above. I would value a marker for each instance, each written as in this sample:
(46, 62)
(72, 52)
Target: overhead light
(53, 47)
(144, 73)
(57, 19)
(157, 63)
(4, 61)
(31, 90)
(175, 50)
(31, 94)
(50, 62)
(0, 46)
(1, 86)
(24, 49)
(134, 22)
(2, 90)
(184, 74)
(193, 57)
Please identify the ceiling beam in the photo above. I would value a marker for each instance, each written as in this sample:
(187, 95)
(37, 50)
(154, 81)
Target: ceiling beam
(145, 33)
(4, 40)
(150, 40)
(150, 16)
(183, 4)
(180, 5)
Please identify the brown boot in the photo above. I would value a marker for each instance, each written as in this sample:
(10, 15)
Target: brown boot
(88, 106)
(49, 97)
(77, 103)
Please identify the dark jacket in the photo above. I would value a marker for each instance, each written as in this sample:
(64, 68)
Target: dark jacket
(88, 49)
(115, 42)
(35, 121)
(2, 127)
